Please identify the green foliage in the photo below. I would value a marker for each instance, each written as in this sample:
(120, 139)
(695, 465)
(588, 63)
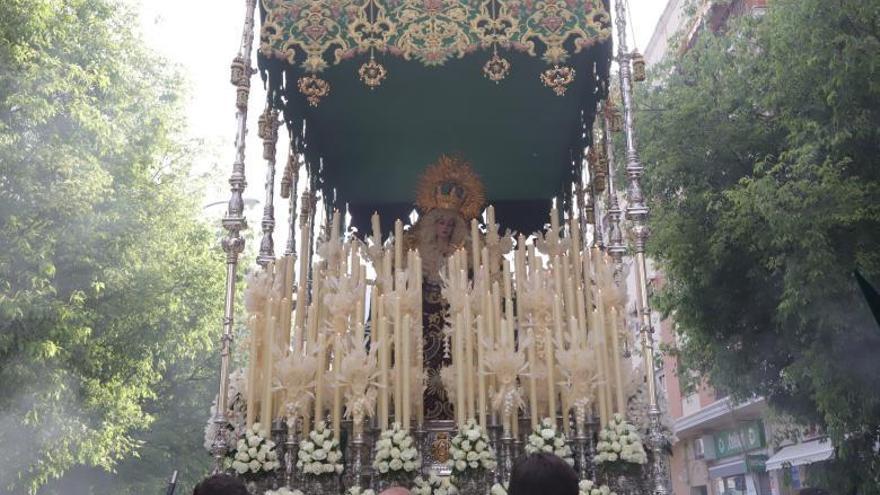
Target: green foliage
(761, 146)
(110, 289)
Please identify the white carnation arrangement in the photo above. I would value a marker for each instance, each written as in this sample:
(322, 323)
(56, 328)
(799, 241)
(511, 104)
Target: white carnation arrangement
(357, 490)
(319, 454)
(396, 452)
(471, 449)
(434, 485)
(547, 438)
(619, 440)
(254, 454)
(589, 487)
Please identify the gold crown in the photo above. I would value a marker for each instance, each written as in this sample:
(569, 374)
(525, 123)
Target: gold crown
(451, 184)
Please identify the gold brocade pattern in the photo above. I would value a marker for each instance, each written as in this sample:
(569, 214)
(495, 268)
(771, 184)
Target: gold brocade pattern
(320, 33)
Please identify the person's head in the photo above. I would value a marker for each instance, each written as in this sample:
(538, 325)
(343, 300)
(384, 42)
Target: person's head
(395, 490)
(542, 474)
(220, 484)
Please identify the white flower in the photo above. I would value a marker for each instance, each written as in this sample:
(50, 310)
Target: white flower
(458, 455)
(547, 434)
(328, 468)
(407, 454)
(409, 466)
(319, 455)
(307, 446)
(536, 441)
(472, 456)
(254, 465)
(480, 446)
(460, 465)
(240, 467)
(473, 435)
(399, 436)
(615, 447)
(547, 448)
(252, 452)
(474, 464)
(253, 440)
(395, 453)
(395, 464)
(242, 456)
(465, 445)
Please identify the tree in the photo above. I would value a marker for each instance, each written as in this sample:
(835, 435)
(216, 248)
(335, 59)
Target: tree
(110, 286)
(761, 145)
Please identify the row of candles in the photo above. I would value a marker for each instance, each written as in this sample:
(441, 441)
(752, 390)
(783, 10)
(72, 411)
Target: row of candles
(549, 296)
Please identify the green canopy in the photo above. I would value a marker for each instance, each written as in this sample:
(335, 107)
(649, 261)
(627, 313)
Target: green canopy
(524, 134)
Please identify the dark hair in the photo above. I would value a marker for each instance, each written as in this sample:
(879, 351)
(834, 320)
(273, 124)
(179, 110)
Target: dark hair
(542, 474)
(220, 484)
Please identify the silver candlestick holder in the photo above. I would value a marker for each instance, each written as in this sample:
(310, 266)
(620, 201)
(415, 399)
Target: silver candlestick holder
(582, 460)
(358, 467)
(278, 434)
(507, 455)
(291, 451)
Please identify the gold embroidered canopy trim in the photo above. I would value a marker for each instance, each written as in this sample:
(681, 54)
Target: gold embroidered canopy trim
(316, 34)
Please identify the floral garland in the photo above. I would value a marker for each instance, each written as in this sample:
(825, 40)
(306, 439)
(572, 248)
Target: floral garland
(590, 487)
(254, 454)
(434, 485)
(319, 454)
(620, 441)
(550, 440)
(396, 452)
(471, 449)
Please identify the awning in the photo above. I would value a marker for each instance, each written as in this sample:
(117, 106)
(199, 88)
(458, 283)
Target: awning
(802, 453)
(731, 468)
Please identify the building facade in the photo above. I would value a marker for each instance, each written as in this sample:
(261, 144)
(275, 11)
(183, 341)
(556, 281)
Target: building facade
(722, 447)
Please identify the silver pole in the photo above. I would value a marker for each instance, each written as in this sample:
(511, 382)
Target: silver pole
(615, 235)
(234, 222)
(637, 212)
(268, 132)
(291, 177)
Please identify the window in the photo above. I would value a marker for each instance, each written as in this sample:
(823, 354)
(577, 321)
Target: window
(699, 453)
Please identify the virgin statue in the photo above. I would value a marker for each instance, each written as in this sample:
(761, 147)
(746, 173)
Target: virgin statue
(448, 197)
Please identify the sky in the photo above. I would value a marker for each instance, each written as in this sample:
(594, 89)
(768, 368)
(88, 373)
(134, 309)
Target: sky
(202, 37)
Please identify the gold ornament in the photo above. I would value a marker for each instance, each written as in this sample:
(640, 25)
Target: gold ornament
(451, 184)
(558, 78)
(440, 447)
(314, 88)
(496, 68)
(372, 73)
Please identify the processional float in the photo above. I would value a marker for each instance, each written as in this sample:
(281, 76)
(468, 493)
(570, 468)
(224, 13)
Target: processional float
(432, 357)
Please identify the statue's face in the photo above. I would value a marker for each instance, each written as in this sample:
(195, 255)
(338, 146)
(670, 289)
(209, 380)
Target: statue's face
(443, 227)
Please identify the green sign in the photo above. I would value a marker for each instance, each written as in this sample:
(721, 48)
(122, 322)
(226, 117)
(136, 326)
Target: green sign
(756, 463)
(748, 436)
